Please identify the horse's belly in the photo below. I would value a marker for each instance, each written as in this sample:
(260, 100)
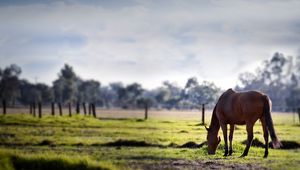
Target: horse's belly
(238, 120)
(240, 123)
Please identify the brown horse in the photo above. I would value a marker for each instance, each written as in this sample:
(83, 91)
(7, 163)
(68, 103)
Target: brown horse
(240, 108)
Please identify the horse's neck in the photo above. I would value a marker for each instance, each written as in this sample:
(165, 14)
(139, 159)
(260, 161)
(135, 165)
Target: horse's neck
(214, 123)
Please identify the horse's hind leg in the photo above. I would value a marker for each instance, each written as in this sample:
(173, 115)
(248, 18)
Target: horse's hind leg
(224, 129)
(230, 138)
(266, 136)
(249, 128)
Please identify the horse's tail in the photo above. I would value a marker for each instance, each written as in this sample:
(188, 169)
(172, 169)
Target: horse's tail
(267, 114)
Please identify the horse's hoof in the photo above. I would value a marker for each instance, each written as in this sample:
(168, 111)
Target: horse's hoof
(265, 156)
(230, 153)
(226, 152)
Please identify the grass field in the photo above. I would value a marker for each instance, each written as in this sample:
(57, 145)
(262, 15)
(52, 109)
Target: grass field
(123, 140)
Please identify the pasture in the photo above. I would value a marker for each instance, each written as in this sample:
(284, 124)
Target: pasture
(120, 139)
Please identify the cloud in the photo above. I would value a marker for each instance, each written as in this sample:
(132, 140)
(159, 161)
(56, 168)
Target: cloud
(147, 41)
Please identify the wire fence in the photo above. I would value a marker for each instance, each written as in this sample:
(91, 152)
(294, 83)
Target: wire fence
(89, 109)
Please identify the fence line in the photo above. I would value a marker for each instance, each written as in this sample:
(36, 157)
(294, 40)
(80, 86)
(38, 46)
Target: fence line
(91, 109)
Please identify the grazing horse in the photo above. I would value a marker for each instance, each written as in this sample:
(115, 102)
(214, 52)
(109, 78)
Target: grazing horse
(240, 108)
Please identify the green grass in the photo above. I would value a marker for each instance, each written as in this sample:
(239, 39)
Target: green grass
(14, 159)
(78, 142)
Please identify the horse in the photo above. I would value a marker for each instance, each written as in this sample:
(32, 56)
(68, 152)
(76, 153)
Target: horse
(241, 108)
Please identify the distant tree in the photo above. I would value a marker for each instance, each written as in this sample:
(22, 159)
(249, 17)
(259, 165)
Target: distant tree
(169, 95)
(274, 78)
(35, 93)
(129, 95)
(65, 87)
(197, 94)
(89, 91)
(293, 98)
(9, 83)
(117, 92)
(46, 93)
(108, 96)
(133, 92)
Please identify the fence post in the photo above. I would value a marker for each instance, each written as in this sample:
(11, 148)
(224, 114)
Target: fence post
(30, 108)
(90, 108)
(4, 106)
(203, 114)
(298, 110)
(40, 109)
(94, 110)
(70, 110)
(60, 109)
(52, 109)
(33, 105)
(146, 110)
(77, 108)
(84, 108)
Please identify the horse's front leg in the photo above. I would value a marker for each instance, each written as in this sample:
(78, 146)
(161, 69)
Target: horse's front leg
(249, 127)
(231, 138)
(224, 129)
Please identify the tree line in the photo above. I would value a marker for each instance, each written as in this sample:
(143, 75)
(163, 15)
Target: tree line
(278, 77)
(70, 88)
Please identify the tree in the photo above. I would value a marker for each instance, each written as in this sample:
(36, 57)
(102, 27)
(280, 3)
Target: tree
(89, 91)
(35, 93)
(169, 95)
(293, 98)
(65, 87)
(274, 79)
(9, 83)
(197, 94)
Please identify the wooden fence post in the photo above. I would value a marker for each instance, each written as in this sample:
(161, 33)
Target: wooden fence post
(203, 114)
(84, 108)
(146, 110)
(94, 110)
(30, 108)
(90, 108)
(52, 109)
(40, 109)
(298, 110)
(4, 106)
(77, 107)
(60, 109)
(33, 106)
(70, 110)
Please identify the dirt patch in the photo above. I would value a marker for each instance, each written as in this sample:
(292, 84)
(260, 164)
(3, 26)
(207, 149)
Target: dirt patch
(188, 164)
(166, 122)
(131, 143)
(46, 142)
(192, 144)
(117, 143)
(288, 145)
(285, 144)
(7, 135)
(255, 143)
(140, 120)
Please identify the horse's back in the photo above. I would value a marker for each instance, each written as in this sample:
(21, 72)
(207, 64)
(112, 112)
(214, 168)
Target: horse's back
(240, 107)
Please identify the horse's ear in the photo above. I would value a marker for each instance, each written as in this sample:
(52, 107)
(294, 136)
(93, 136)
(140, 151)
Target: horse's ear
(219, 139)
(206, 128)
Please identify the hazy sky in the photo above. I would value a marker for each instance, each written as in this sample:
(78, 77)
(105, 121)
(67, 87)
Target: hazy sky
(146, 41)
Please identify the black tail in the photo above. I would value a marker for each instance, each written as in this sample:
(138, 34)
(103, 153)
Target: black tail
(267, 114)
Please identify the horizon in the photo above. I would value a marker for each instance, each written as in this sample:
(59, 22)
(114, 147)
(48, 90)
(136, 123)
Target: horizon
(147, 42)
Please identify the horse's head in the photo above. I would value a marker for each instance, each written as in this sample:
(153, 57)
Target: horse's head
(212, 141)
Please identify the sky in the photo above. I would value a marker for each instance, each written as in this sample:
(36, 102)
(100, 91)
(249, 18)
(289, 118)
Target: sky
(146, 41)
